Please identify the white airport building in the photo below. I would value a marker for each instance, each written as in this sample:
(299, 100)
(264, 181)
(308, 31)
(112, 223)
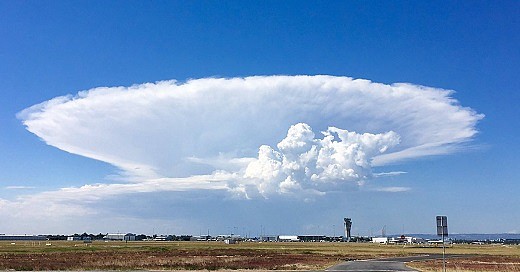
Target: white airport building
(380, 240)
(397, 240)
(288, 238)
(120, 237)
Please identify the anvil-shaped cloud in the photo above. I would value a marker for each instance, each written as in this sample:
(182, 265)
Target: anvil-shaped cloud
(171, 130)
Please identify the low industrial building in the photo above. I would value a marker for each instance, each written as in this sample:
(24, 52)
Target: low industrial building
(380, 240)
(230, 241)
(288, 238)
(399, 240)
(312, 238)
(120, 237)
(268, 238)
(5, 237)
(202, 238)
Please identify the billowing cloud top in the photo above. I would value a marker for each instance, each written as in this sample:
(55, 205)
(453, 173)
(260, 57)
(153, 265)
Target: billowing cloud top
(308, 164)
(167, 129)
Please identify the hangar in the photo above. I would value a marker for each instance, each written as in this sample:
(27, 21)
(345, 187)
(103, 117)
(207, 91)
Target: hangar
(120, 237)
(288, 238)
(4, 237)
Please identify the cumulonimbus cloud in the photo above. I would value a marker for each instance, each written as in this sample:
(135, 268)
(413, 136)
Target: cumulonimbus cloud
(304, 163)
(175, 129)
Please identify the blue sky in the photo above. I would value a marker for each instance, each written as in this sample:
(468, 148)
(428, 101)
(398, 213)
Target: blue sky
(52, 49)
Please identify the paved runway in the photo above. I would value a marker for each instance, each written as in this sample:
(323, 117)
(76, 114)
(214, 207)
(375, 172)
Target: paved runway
(385, 265)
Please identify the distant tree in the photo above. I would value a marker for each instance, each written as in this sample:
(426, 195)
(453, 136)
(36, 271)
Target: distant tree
(141, 237)
(99, 236)
(185, 237)
(56, 237)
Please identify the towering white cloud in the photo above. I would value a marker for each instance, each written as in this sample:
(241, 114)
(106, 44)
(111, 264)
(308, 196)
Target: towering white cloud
(306, 163)
(211, 126)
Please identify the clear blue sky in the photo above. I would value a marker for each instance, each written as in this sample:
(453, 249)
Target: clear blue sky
(54, 48)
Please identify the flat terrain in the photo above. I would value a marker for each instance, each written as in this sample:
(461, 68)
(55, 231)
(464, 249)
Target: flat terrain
(73, 255)
(471, 264)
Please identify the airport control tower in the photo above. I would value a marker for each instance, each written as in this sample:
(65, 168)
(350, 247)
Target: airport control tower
(348, 226)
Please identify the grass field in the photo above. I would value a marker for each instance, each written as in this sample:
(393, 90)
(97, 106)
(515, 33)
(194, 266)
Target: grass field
(71, 255)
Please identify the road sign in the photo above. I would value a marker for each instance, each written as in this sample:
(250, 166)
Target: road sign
(442, 225)
(442, 230)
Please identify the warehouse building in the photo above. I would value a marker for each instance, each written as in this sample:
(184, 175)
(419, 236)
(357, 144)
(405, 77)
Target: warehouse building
(312, 238)
(268, 238)
(120, 237)
(380, 240)
(4, 237)
(288, 238)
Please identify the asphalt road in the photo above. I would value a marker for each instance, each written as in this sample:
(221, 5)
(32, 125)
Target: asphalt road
(385, 265)
(372, 266)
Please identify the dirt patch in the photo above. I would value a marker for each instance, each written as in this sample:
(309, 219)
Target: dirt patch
(478, 263)
(165, 260)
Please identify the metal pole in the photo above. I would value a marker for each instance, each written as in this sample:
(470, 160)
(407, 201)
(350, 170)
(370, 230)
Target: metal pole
(443, 252)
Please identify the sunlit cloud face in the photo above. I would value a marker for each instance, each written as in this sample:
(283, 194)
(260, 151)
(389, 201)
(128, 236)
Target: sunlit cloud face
(253, 136)
(304, 163)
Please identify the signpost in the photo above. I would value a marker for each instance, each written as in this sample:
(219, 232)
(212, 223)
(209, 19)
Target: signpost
(442, 230)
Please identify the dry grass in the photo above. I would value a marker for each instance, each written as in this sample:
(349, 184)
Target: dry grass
(215, 255)
(157, 255)
(479, 263)
(487, 258)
